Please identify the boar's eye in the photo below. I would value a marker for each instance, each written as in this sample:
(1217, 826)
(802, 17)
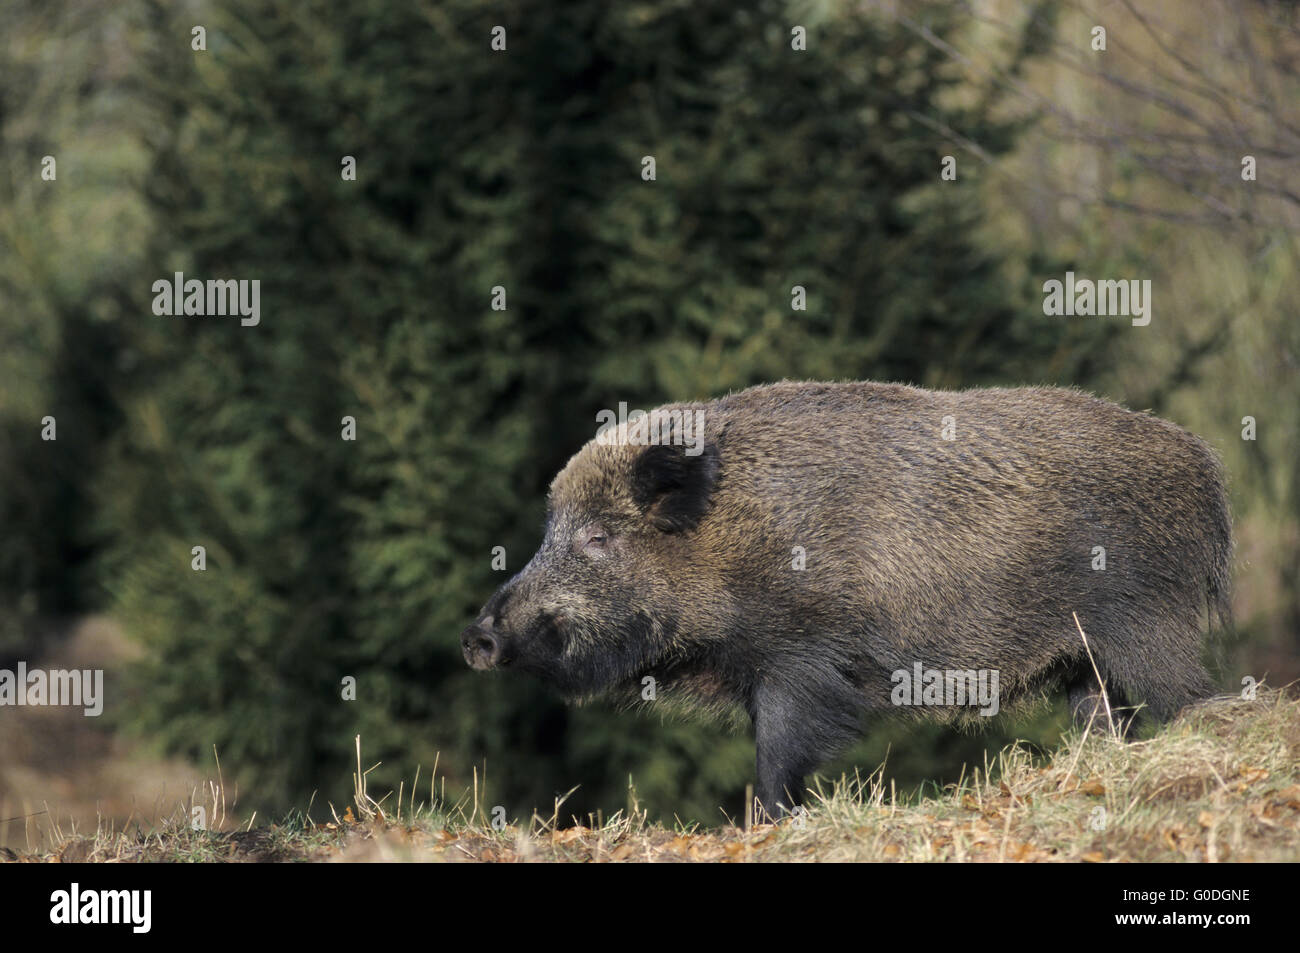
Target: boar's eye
(593, 539)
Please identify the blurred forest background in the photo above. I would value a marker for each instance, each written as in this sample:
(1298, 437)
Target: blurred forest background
(522, 168)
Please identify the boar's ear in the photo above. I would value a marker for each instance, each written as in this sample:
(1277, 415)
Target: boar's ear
(672, 487)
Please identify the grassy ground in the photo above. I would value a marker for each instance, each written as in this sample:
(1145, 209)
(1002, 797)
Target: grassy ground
(1221, 783)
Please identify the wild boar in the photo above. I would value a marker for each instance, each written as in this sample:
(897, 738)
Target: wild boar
(813, 545)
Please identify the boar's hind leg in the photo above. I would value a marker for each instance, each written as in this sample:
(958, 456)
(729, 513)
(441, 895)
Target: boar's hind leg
(1087, 707)
(1154, 671)
(1166, 675)
(795, 730)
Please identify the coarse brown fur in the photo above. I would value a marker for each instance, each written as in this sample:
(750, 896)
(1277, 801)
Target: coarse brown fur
(966, 553)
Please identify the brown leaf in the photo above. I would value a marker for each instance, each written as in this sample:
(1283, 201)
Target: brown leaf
(1018, 850)
(1093, 788)
(1093, 857)
(568, 835)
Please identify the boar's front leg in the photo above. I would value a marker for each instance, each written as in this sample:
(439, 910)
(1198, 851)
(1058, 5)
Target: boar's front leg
(796, 727)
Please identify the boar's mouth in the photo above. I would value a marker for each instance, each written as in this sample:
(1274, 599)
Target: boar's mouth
(581, 663)
(549, 636)
(539, 648)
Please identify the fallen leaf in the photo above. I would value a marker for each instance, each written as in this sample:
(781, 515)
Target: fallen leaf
(1018, 850)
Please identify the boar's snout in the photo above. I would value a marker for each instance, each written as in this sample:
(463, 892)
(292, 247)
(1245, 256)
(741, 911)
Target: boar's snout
(481, 647)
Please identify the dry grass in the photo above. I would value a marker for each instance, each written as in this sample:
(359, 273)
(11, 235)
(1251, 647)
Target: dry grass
(1221, 783)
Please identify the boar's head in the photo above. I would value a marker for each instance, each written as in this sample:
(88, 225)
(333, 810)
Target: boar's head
(603, 598)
